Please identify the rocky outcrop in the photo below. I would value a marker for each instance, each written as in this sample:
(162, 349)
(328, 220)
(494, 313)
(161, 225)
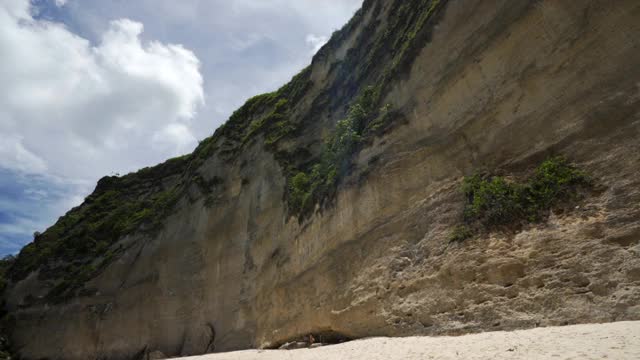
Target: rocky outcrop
(474, 86)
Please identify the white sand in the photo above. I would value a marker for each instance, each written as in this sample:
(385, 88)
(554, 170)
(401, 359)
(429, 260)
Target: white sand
(598, 341)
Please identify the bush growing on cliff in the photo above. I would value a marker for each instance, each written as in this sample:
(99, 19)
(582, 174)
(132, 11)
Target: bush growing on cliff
(307, 188)
(495, 201)
(460, 233)
(300, 191)
(492, 201)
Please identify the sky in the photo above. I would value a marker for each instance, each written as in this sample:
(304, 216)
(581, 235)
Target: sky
(104, 87)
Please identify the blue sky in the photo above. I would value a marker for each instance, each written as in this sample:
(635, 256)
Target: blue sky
(98, 87)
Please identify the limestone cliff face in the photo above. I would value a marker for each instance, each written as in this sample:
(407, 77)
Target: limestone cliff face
(481, 86)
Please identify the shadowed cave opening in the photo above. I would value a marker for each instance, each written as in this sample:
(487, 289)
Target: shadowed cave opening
(328, 337)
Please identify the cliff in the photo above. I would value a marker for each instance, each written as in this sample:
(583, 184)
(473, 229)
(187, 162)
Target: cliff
(345, 204)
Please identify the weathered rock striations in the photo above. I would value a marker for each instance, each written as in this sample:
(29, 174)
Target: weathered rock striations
(216, 257)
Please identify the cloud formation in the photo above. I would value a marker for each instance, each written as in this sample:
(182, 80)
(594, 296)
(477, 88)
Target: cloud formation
(316, 42)
(247, 47)
(73, 111)
(86, 107)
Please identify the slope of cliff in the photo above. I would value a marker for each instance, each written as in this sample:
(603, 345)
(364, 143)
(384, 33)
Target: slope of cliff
(441, 167)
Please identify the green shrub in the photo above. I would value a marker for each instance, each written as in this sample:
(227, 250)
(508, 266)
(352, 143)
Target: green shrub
(493, 201)
(460, 233)
(318, 182)
(496, 201)
(554, 180)
(300, 192)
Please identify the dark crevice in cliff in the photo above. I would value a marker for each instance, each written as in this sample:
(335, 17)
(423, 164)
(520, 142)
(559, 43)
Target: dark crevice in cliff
(313, 339)
(211, 346)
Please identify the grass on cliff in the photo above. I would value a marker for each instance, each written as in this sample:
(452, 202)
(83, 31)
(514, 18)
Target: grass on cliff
(81, 242)
(494, 202)
(318, 182)
(267, 114)
(382, 56)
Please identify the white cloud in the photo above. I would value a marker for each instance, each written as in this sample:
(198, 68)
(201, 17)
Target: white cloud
(14, 156)
(60, 3)
(76, 110)
(316, 42)
(174, 137)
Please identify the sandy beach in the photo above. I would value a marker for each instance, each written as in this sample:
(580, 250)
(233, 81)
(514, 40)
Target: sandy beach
(594, 341)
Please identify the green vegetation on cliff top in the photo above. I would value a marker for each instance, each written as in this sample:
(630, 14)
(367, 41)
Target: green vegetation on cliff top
(80, 243)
